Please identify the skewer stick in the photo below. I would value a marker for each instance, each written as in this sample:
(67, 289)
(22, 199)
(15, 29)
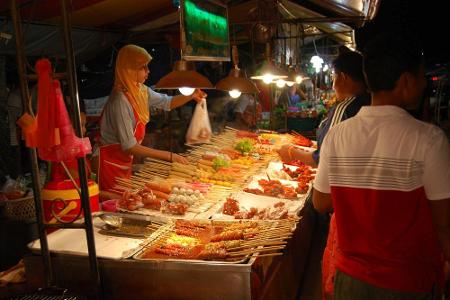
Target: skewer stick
(158, 161)
(268, 237)
(270, 254)
(251, 245)
(231, 128)
(272, 240)
(244, 252)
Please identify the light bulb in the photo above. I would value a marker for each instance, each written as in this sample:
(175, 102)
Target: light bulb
(289, 83)
(299, 79)
(280, 83)
(234, 93)
(187, 91)
(316, 60)
(267, 78)
(325, 68)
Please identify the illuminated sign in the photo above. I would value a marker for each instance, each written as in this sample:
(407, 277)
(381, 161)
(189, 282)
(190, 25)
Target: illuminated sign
(204, 30)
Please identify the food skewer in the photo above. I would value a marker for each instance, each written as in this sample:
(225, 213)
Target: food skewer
(250, 251)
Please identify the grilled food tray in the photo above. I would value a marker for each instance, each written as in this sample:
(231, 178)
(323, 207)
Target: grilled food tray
(164, 232)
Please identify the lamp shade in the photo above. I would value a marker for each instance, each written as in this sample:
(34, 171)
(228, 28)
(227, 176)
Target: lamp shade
(269, 69)
(184, 75)
(237, 80)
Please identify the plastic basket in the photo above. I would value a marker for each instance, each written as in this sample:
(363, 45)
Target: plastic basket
(20, 209)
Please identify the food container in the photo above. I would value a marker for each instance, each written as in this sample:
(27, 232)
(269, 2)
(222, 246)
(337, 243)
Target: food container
(110, 205)
(61, 199)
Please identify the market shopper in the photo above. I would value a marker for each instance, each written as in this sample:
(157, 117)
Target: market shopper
(246, 112)
(296, 96)
(386, 175)
(351, 94)
(122, 124)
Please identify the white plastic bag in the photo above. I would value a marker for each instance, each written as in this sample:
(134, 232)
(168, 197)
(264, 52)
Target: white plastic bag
(199, 130)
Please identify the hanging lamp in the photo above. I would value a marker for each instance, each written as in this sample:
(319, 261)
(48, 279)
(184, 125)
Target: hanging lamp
(290, 81)
(185, 78)
(236, 82)
(268, 72)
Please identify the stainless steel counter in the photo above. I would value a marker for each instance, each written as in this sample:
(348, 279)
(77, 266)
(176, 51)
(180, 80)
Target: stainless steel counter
(262, 278)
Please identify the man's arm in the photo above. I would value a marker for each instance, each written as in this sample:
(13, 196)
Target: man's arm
(436, 181)
(302, 93)
(440, 213)
(289, 152)
(322, 201)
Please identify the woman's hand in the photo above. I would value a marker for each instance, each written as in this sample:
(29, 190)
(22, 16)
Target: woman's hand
(178, 158)
(199, 95)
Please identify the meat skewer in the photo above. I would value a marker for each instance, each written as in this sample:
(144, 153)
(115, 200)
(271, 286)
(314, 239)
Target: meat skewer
(234, 235)
(222, 253)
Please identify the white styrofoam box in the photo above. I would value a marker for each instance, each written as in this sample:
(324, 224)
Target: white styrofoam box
(74, 242)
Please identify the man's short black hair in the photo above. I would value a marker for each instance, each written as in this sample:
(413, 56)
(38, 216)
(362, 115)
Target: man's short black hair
(350, 63)
(388, 56)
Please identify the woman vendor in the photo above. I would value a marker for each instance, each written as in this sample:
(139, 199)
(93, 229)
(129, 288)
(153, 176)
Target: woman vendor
(123, 120)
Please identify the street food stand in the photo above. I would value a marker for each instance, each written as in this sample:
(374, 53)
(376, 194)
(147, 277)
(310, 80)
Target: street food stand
(124, 276)
(126, 273)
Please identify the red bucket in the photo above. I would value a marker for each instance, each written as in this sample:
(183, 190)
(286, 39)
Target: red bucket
(64, 200)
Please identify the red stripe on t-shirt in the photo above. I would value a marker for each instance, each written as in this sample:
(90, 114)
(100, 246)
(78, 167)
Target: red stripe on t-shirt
(387, 238)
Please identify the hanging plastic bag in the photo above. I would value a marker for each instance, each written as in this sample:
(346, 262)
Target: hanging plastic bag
(199, 130)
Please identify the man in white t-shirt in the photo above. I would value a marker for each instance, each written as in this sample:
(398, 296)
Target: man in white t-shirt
(386, 175)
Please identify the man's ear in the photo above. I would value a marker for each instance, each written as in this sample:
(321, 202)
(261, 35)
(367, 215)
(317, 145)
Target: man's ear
(344, 76)
(404, 85)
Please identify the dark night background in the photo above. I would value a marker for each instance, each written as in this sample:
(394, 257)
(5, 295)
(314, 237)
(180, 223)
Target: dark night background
(429, 20)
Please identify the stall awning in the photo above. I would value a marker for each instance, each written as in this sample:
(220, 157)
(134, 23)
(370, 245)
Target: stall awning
(108, 21)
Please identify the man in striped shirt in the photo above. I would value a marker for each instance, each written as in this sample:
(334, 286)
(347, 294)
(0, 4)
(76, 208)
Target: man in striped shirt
(386, 175)
(351, 93)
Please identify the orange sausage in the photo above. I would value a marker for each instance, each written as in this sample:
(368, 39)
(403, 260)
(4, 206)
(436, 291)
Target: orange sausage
(162, 187)
(208, 157)
(160, 194)
(205, 162)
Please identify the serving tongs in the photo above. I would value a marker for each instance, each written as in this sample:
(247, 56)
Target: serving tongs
(114, 222)
(122, 226)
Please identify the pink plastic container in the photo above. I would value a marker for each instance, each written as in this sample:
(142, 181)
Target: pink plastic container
(110, 205)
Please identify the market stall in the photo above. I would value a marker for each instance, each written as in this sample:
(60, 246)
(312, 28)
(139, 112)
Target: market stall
(235, 177)
(268, 261)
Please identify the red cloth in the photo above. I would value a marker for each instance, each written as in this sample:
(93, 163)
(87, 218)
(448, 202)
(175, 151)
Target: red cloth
(116, 163)
(53, 133)
(47, 132)
(58, 173)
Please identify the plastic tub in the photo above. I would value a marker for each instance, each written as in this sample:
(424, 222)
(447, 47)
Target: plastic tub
(110, 205)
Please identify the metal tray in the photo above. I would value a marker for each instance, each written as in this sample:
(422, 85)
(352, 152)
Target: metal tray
(130, 227)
